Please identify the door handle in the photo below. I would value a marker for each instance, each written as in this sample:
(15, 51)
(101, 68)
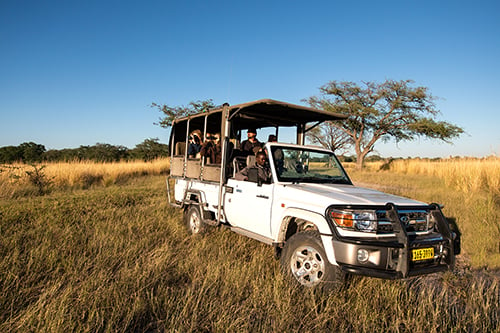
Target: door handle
(262, 196)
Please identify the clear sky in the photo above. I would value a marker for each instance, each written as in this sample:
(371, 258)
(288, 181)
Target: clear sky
(81, 72)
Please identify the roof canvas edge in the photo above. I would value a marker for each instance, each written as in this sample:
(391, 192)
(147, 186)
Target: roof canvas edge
(240, 108)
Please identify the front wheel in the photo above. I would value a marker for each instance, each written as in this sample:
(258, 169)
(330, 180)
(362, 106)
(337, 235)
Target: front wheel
(194, 221)
(305, 259)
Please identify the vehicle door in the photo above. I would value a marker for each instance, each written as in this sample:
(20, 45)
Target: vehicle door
(248, 205)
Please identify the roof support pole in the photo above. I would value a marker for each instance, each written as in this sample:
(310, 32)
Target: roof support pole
(186, 150)
(203, 139)
(224, 137)
(301, 134)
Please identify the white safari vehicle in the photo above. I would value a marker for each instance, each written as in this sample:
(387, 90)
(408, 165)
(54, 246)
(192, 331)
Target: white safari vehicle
(322, 227)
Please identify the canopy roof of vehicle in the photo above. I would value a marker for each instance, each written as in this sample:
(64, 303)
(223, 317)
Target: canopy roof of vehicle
(269, 113)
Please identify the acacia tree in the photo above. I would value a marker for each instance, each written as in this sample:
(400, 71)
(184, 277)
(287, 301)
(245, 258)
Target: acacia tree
(172, 112)
(381, 111)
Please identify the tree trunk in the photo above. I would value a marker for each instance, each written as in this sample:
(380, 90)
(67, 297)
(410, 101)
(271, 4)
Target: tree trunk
(359, 162)
(360, 155)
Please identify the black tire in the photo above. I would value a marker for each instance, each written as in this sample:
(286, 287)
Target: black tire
(305, 260)
(194, 220)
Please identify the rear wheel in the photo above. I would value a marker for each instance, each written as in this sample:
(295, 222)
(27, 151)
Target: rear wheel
(305, 259)
(194, 221)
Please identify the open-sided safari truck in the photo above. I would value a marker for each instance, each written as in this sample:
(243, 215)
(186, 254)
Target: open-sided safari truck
(321, 225)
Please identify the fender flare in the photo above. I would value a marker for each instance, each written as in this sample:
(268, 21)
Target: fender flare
(318, 220)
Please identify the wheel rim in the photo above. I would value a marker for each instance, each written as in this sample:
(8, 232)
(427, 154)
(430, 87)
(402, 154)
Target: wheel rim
(194, 222)
(307, 265)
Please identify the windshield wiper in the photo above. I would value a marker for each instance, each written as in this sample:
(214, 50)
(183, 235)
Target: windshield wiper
(327, 180)
(338, 180)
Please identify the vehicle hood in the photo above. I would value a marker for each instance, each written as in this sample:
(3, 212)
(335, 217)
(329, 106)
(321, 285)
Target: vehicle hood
(331, 194)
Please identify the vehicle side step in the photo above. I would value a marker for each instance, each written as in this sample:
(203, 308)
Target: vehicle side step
(253, 235)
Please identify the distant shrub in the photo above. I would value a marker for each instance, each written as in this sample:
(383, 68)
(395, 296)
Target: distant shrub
(387, 165)
(87, 179)
(39, 179)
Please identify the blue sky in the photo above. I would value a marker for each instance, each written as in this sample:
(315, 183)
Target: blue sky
(80, 72)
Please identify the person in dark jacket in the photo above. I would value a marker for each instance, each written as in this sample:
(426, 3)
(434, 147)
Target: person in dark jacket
(252, 144)
(263, 170)
(194, 143)
(212, 149)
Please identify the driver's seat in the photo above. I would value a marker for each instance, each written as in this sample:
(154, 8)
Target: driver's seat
(250, 160)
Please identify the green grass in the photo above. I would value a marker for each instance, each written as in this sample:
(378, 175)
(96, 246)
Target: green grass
(118, 258)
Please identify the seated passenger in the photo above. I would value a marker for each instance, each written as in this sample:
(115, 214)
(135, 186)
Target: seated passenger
(211, 148)
(194, 143)
(272, 138)
(263, 170)
(278, 155)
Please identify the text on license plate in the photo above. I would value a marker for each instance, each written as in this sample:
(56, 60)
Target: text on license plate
(422, 254)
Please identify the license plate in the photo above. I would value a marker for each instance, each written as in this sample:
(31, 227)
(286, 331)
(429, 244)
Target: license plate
(422, 254)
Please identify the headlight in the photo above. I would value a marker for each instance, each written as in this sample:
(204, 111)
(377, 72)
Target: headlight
(360, 220)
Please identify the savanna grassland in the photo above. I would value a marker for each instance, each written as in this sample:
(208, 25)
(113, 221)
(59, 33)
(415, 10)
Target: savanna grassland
(96, 248)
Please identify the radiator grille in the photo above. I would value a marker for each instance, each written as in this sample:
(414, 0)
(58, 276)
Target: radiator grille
(414, 221)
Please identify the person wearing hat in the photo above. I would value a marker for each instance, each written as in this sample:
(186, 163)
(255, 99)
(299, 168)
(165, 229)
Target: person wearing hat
(251, 145)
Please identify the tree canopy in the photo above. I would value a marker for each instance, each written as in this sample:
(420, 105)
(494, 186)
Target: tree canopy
(172, 112)
(149, 150)
(30, 152)
(379, 111)
(27, 152)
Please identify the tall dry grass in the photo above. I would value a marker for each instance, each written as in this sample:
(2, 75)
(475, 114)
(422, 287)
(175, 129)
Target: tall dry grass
(118, 259)
(464, 174)
(469, 188)
(76, 175)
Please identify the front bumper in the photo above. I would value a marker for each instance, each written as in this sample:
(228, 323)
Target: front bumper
(394, 258)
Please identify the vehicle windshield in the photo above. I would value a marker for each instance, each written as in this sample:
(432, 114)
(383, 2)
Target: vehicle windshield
(299, 165)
